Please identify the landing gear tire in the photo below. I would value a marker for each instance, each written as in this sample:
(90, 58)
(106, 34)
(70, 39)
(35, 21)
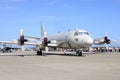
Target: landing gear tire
(39, 53)
(3, 51)
(79, 52)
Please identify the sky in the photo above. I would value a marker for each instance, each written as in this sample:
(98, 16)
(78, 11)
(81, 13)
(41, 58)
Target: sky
(95, 16)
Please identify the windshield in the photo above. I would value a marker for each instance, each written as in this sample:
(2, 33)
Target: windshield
(80, 33)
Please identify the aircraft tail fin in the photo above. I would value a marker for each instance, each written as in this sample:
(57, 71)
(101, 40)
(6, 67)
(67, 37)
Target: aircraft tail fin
(43, 33)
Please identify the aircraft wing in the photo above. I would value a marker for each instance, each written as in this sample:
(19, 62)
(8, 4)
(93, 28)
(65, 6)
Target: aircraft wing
(8, 42)
(16, 42)
(31, 43)
(32, 37)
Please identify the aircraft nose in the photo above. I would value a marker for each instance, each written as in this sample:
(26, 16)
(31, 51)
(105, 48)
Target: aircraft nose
(90, 41)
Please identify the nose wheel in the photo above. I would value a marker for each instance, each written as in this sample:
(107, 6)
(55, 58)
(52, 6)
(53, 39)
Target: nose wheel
(39, 52)
(79, 52)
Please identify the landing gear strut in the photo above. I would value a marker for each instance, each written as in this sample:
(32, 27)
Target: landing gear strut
(39, 52)
(79, 52)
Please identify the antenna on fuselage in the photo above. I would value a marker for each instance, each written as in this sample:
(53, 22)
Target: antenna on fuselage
(75, 28)
(90, 34)
(68, 29)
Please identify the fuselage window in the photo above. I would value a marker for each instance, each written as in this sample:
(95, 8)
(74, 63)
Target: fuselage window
(83, 33)
(86, 33)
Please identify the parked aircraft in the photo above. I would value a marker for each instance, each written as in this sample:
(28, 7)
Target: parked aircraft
(74, 39)
(5, 49)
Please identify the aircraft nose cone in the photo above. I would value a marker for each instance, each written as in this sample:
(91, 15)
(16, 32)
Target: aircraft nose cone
(90, 41)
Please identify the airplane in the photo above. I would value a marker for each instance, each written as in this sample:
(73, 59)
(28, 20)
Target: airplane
(75, 39)
(4, 49)
(7, 48)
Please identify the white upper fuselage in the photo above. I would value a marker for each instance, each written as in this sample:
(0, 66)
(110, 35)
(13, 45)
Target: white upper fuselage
(72, 39)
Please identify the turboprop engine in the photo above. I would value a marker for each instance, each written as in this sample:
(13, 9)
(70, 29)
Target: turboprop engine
(21, 39)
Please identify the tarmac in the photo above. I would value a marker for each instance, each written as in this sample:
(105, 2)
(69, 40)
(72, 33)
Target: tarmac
(28, 66)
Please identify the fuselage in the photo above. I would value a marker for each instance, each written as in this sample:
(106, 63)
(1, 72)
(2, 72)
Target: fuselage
(72, 39)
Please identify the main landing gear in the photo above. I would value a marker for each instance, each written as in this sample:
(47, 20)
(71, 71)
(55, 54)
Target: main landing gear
(79, 52)
(39, 52)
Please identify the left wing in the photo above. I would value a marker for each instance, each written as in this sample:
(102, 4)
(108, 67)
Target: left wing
(16, 42)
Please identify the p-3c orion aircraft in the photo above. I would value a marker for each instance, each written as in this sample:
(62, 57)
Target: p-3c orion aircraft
(74, 39)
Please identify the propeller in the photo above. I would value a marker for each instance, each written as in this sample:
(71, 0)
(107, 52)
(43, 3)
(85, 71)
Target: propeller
(106, 40)
(44, 37)
(45, 42)
(21, 39)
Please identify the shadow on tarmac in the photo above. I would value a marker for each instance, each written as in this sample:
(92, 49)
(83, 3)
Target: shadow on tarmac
(22, 54)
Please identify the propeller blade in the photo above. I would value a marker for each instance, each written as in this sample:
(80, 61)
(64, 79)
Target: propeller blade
(106, 33)
(22, 32)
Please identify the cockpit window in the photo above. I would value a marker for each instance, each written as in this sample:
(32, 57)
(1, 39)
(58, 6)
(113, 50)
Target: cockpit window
(80, 33)
(86, 33)
(76, 34)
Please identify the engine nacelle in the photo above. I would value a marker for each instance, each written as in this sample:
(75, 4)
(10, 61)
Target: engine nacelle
(45, 41)
(106, 40)
(103, 40)
(21, 40)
